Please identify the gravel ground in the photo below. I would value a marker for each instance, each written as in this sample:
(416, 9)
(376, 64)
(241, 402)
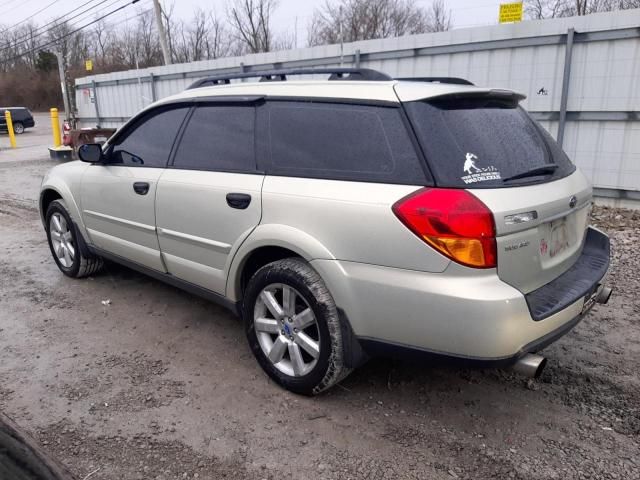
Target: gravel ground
(160, 384)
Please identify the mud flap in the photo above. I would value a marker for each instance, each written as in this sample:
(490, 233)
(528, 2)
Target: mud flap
(353, 353)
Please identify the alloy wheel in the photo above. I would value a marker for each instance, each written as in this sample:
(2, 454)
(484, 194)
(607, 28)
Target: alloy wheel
(62, 240)
(287, 329)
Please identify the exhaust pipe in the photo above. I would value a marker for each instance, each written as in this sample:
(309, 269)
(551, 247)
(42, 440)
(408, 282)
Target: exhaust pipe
(604, 294)
(530, 365)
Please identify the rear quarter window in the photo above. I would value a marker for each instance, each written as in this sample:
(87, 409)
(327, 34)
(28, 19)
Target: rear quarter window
(342, 142)
(18, 113)
(480, 142)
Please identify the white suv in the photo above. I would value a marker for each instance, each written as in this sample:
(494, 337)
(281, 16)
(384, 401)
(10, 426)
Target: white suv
(344, 218)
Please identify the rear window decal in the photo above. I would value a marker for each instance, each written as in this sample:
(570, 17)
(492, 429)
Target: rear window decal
(476, 174)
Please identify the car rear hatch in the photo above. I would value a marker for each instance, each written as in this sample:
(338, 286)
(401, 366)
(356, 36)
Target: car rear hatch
(480, 140)
(540, 229)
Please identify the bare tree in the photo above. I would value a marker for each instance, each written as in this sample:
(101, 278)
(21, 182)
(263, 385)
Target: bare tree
(172, 26)
(439, 19)
(147, 40)
(198, 34)
(207, 37)
(251, 22)
(204, 37)
(100, 40)
(30, 42)
(181, 51)
(219, 42)
(285, 41)
(539, 9)
(368, 19)
(18, 46)
(66, 44)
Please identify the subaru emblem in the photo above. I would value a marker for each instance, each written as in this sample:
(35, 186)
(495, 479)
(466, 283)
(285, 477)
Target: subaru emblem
(573, 201)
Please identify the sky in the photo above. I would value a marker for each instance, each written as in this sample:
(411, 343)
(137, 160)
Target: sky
(289, 14)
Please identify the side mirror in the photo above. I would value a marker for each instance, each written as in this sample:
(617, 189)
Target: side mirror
(90, 152)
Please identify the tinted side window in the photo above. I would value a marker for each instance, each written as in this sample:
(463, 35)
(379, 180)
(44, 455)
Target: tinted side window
(342, 142)
(149, 143)
(18, 113)
(218, 138)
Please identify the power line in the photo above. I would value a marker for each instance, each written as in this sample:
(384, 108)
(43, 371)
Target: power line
(30, 16)
(112, 23)
(125, 18)
(41, 47)
(43, 28)
(30, 37)
(10, 1)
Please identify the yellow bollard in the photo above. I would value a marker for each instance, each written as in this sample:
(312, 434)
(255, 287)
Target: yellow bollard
(55, 126)
(12, 136)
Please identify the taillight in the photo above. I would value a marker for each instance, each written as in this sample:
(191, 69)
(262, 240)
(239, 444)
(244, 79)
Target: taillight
(454, 222)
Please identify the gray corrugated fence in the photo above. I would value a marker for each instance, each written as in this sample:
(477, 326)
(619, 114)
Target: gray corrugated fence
(581, 76)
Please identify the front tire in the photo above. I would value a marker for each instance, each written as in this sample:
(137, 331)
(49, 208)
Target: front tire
(293, 327)
(64, 243)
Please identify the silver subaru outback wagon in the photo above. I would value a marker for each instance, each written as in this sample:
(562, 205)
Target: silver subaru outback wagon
(344, 218)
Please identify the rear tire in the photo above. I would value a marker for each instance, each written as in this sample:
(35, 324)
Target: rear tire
(66, 245)
(18, 128)
(293, 327)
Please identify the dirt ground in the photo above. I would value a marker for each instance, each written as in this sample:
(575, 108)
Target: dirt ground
(161, 384)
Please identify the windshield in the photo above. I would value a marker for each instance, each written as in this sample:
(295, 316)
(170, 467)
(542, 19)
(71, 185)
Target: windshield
(481, 142)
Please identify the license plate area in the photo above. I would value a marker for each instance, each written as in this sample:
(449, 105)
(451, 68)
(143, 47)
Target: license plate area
(558, 239)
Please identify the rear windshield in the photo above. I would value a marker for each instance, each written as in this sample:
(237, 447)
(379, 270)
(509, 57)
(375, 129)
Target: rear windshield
(483, 142)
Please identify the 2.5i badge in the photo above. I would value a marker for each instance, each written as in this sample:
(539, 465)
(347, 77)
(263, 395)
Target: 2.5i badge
(476, 174)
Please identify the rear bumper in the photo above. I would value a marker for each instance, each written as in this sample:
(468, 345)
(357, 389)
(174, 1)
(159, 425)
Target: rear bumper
(461, 315)
(376, 347)
(579, 281)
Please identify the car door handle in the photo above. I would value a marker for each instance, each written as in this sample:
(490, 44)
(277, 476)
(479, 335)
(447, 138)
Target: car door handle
(238, 200)
(141, 188)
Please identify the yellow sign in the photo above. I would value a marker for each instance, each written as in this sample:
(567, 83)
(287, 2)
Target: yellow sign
(510, 12)
(88, 65)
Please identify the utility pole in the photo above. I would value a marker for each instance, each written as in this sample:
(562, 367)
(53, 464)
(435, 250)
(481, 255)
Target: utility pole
(63, 85)
(163, 35)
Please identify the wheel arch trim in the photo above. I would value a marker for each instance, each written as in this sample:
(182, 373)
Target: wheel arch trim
(65, 194)
(282, 236)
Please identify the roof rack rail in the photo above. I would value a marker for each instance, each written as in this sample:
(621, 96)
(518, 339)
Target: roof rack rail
(363, 74)
(452, 80)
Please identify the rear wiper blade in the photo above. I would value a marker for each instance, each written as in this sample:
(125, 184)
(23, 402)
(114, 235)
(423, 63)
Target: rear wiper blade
(549, 168)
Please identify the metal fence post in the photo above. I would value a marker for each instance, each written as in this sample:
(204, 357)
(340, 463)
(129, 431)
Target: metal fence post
(95, 101)
(357, 62)
(566, 77)
(152, 80)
